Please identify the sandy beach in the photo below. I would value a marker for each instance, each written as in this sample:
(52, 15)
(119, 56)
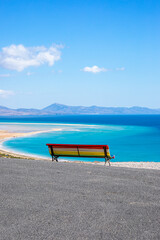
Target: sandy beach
(5, 135)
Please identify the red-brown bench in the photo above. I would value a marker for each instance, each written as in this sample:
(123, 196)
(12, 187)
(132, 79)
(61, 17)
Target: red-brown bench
(77, 150)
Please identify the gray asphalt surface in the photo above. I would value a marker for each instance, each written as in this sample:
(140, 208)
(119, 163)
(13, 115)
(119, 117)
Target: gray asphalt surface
(43, 200)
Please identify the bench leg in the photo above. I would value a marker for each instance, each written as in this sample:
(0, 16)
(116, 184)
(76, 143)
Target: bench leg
(107, 160)
(54, 158)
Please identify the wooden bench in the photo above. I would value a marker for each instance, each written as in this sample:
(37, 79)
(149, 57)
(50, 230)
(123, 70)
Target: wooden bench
(76, 150)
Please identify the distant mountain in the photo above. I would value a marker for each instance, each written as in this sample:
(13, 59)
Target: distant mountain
(18, 112)
(60, 109)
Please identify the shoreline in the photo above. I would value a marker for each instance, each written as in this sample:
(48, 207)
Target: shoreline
(6, 153)
(6, 135)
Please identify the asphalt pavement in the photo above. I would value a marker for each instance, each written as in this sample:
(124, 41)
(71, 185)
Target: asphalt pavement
(42, 200)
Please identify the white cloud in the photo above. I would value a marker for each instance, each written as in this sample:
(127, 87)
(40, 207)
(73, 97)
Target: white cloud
(5, 94)
(18, 57)
(120, 69)
(94, 69)
(5, 75)
(29, 73)
(57, 71)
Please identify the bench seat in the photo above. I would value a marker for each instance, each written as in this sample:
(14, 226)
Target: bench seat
(79, 150)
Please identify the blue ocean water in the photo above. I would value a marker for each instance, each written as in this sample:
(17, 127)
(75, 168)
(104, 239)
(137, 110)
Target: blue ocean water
(130, 138)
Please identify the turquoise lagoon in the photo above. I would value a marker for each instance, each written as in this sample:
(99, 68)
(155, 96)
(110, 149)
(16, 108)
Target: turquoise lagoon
(129, 139)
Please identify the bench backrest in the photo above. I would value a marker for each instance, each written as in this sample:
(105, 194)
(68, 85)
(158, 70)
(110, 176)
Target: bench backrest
(76, 150)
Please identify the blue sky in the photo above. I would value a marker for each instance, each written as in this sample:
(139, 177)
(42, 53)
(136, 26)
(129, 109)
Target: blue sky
(103, 53)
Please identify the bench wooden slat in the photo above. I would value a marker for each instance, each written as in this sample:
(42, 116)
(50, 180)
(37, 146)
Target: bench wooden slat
(78, 145)
(79, 150)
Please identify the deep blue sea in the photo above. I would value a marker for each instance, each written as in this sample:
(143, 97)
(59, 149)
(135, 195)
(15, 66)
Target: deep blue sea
(130, 137)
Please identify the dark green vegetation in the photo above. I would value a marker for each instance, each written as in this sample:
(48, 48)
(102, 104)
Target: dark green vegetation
(6, 155)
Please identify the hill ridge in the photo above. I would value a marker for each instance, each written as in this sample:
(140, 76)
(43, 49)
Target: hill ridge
(61, 109)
